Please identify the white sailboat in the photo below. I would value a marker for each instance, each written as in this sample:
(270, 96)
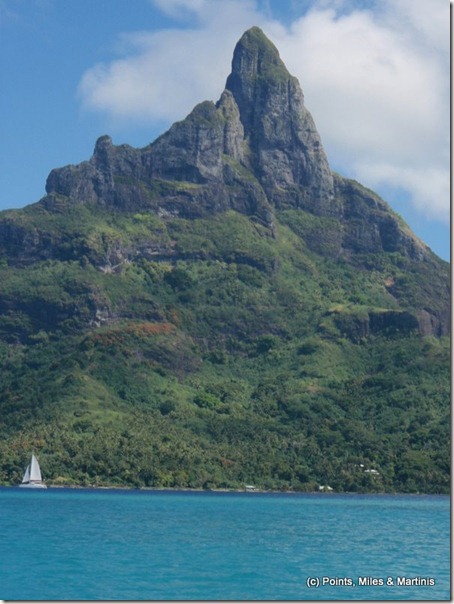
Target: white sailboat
(32, 477)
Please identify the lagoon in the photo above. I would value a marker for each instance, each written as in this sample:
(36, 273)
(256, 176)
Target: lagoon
(82, 544)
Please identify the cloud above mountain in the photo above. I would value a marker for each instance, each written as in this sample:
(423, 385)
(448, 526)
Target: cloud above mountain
(375, 77)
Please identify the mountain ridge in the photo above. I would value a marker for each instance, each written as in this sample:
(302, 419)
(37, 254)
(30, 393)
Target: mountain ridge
(227, 156)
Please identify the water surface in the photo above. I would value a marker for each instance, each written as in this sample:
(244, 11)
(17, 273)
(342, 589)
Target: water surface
(68, 544)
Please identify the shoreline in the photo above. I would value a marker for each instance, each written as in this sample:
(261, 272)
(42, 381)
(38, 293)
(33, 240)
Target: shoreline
(221, 491)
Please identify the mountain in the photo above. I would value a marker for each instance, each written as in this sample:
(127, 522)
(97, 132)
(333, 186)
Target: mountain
(220, 308)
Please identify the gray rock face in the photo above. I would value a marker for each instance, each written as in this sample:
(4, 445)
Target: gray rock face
(287, 153)
(259, 135)
(102, 179)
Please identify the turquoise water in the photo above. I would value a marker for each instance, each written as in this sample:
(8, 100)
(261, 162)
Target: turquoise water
(63, 544)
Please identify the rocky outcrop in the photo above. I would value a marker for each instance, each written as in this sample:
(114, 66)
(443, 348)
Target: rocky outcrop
(286, 151)
(370, 226)
(361, 324)
(112, 178)
(259, 135)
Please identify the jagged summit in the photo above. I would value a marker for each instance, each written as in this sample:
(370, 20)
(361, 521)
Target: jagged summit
(260, 121)
(260, 124)
(256, 151)
(255, 62)
(281, 132)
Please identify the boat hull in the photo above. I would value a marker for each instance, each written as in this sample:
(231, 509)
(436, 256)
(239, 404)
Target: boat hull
(33, 485)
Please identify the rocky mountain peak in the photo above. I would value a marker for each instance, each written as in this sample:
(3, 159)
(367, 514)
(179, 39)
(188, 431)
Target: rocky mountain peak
(256, 151)
(103, 147)
(287, 150)
(260, 123)
(256, 62)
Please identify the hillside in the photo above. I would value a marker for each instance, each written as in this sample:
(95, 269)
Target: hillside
(220, 308)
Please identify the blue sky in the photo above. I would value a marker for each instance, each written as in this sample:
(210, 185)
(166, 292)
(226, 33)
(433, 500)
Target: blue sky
(375, 75)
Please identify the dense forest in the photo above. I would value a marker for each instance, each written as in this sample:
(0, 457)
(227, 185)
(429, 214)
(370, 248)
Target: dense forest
(220, 371)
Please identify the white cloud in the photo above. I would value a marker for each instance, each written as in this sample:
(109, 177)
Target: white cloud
(180, 9)
(378, 87)
(427, 19)
(375, 77)
(428, 186)
(165, 73)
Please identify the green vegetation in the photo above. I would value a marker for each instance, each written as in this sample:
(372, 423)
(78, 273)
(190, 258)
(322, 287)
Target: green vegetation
(212, 353)
(272, 69)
